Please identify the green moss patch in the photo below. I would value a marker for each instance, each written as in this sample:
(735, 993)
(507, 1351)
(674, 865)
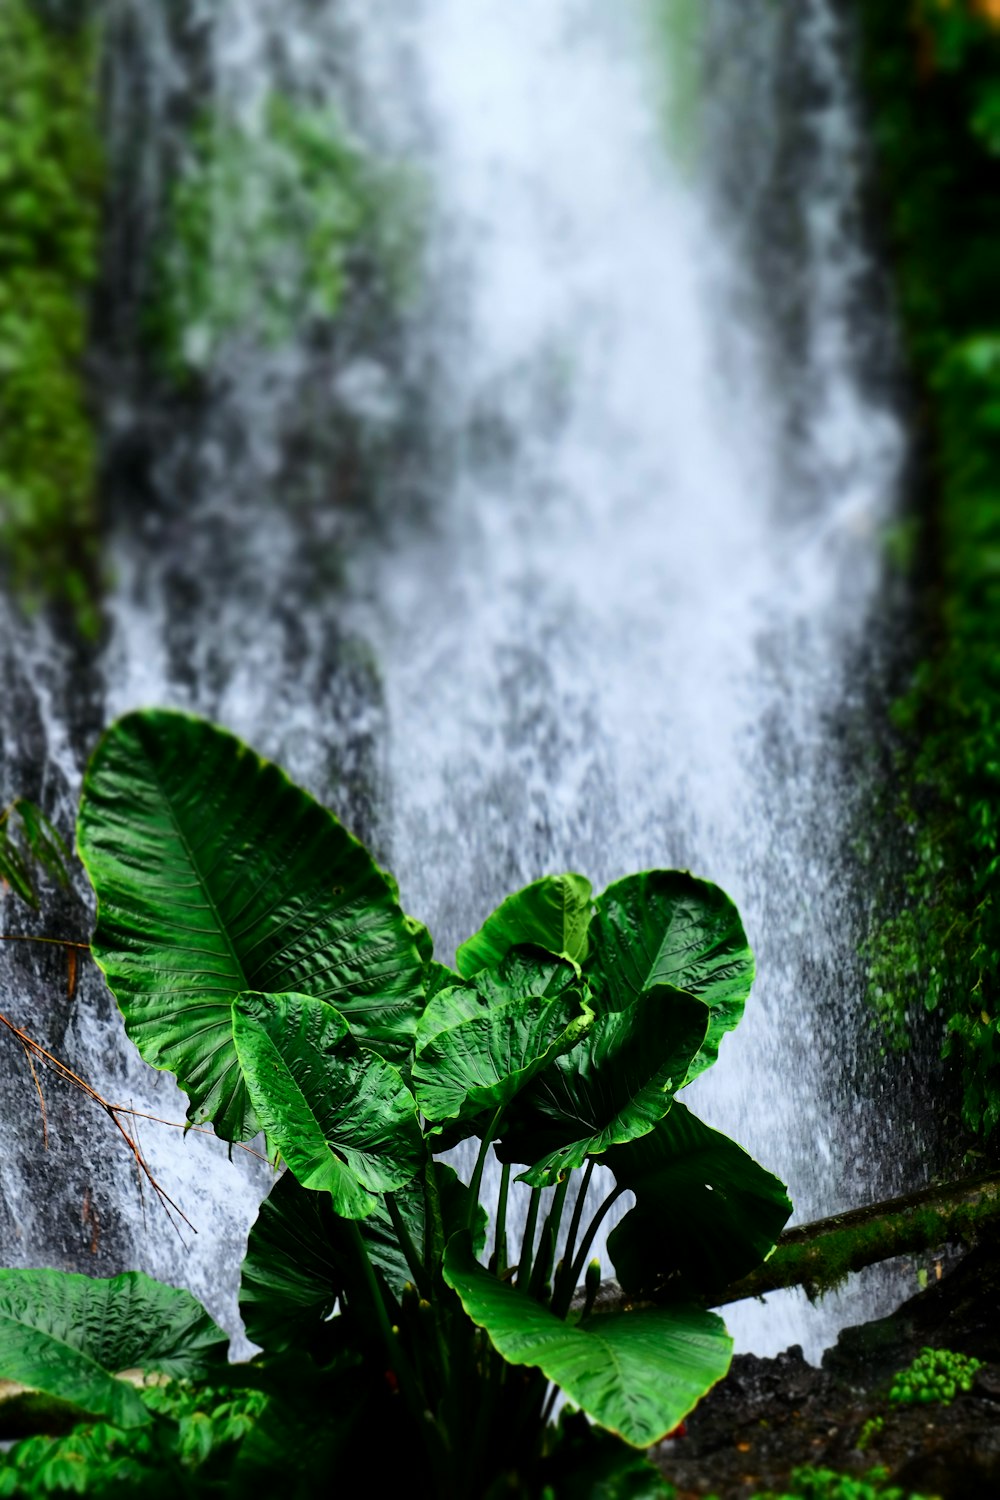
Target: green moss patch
(933, 75)
(50, 210)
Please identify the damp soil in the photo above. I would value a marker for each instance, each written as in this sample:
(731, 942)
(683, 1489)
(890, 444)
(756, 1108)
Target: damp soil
(771, 1416)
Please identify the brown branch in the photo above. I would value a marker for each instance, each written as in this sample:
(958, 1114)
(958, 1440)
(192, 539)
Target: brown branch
(26, 937)
(37, 1052)
(41, 1100)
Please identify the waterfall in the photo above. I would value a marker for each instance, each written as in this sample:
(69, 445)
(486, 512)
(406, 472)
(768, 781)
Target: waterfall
(578, 565)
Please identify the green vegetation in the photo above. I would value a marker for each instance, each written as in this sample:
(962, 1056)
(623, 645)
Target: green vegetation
(933, 73)
(676, 28)
(188, 1447)
(29, 846)
(935, 1375)
(258, 952)
(50, 209)
(810, 1483)
(267, 226)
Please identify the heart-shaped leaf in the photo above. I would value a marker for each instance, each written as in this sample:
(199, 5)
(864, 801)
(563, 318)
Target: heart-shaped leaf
(706, 1213)
(666, 927)
(552, 913)
(636, 1373)
(69, 1335)
(216, 875)
(611, 1088)
(341, 1116)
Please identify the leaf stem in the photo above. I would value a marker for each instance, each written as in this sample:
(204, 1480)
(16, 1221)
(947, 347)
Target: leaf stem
(574, 1223)
(542, 1268)
(408, 1248)
(477, 1175)
(528, 1238)
(398, 1361)
(588, 1239)
(498, 1260)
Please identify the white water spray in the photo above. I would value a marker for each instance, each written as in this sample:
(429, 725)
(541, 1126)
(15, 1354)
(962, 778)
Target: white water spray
(624, 563)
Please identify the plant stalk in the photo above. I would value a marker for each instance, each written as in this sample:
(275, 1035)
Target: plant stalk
(409, 1249)
(498, 1260)
(528, 1238)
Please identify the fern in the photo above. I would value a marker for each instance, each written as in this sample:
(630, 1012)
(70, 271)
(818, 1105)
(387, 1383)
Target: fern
(29, 847)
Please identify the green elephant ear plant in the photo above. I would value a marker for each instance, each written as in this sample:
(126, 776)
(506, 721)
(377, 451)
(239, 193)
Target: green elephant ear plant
(259, 953)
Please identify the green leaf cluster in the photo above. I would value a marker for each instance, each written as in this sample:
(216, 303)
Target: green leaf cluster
(29, 846)
(266, 228)
(257, 951)
(933, 78)
(936, 1375)
(51, 184)
(813, 1483)
(186, 1447)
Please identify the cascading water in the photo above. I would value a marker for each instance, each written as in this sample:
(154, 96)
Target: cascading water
(620, 569)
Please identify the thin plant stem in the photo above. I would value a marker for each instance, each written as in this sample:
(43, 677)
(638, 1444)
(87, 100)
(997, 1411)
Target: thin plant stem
(498, 1260)
(542, 1268)
(408, 1248)
(574, 1229)
(477, 1175)
(550, 1402)
(528, 1238)
(398, 1361)
(23, 937)
(40, 1054)
(588, 1239)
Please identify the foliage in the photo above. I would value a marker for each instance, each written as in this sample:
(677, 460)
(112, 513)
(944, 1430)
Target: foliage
(935, 1375)
(933, 74)
(50, 208)
(30, 845)
(258, 952)
(872, 1429)
(809, 1483)
(186, 1446)
(265, 228)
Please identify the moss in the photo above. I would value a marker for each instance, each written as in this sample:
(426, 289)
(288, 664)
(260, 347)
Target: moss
(267, 228)
(50, 209)
(933, 77)
(676, 28)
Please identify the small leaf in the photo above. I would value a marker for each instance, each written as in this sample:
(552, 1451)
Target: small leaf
(637, 1373)
(552, 913)
(666, 927)
(340, 1115)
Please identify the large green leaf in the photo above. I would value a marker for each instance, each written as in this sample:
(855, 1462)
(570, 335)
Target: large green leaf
(479, 1044)
(706, 1213)
(215, 875)
(552, 913)
(341, 1116)
(69, 1335)
(298, 1256)
(290, 1279)
(636, 1373)
(611, 1088)
(666, 927)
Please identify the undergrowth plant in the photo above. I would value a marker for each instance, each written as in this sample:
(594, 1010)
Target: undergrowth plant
(257, 951)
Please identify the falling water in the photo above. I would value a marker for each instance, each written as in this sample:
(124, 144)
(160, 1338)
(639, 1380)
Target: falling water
(611, 599)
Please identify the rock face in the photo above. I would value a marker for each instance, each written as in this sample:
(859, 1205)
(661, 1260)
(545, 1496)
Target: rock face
(770, 1416)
